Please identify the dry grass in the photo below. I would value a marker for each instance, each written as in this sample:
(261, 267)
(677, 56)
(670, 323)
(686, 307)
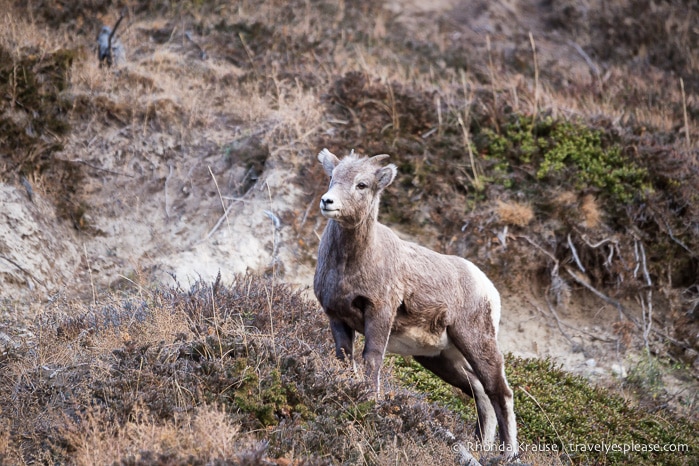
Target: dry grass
(515, 213)
(206, 434)
(202, 377)
(591, 212)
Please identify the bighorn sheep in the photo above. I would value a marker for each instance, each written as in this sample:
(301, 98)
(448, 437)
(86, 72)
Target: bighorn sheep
(407, 299)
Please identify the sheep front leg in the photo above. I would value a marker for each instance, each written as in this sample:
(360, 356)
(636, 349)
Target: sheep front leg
(343, 335)
(377, 330)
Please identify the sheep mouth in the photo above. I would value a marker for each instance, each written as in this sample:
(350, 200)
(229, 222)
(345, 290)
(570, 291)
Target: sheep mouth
(330, 213)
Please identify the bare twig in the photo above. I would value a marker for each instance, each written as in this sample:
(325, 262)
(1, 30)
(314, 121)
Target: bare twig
(202, 53)
(676, 240)
(646, 304)
(536, 78)
(684, 109)
(491, 69)
(111, 36)
(529, 240)
(100, 169)
(28, 188)
(615, 244)
(223, 205)
(23, 270)
(558, 321)
(92, 281)
(548, 419)
(622, 309)
(586, 57)
(465, 123)
(598, 244)
(167, 180)
(222, 218)
(105, 49)
(575, 254)
(248, 52)
(438, 105)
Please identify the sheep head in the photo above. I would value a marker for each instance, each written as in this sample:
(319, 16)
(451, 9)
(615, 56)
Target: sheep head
(355, 187)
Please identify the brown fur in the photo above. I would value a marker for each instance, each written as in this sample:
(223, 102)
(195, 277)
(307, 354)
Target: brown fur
(407, 298)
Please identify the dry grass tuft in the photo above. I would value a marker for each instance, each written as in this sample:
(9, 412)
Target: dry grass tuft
(515, 213)
(207, 434)
(591, 211)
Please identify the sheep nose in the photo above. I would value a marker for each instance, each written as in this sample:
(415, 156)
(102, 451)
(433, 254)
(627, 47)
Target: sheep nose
(326, 201)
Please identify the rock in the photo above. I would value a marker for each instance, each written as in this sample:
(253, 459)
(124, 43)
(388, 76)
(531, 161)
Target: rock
(619, 371)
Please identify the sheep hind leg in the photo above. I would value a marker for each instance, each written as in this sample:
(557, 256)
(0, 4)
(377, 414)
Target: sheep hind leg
(454, 369)
(483, 355)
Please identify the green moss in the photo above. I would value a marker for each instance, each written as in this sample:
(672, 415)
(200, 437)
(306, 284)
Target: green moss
(267, 398)
(556, 408)
(358, 412)
(580, 150)
(646, 375)
(411, 374)
(562, 152)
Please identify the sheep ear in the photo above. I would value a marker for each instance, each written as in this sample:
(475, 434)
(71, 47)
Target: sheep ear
(386, 175)
(329, 161)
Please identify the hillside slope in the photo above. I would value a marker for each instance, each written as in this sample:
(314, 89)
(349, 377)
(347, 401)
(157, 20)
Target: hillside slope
(552, 143)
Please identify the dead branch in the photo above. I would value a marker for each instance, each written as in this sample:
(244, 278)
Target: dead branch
(575, 254)
(202, 53)
(105, 50)
(31, 275)
(647, 304)
(222, 218)
(615, 244)
(558, 322)
(530, 241)
(622, 309)
(99, 168)
(167, 180)
(676, 240)
(593, 67)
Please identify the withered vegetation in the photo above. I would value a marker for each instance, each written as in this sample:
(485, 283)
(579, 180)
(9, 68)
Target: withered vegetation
(148, 378)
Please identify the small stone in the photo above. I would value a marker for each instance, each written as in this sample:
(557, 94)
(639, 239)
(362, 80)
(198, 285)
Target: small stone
(619, 370)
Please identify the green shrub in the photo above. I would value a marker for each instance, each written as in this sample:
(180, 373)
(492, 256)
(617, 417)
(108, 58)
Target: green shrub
(563, 152)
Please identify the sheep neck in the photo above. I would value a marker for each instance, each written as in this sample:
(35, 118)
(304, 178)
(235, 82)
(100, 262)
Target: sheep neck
(354, 240)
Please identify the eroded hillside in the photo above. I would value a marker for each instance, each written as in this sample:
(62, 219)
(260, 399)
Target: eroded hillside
(552, 143)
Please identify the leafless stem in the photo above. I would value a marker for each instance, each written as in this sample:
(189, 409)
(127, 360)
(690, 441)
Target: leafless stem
(223, 205)
(536, 77)
(593, 67)
(167, 180)
(684, 110)
(558, 322)
(491, 68)
(647, 303)
(92, 282)
(110, 59)
(575, 254)
(464, 123)
(23, 270)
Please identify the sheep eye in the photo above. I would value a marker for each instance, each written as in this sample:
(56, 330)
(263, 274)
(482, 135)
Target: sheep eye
(362, 185)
